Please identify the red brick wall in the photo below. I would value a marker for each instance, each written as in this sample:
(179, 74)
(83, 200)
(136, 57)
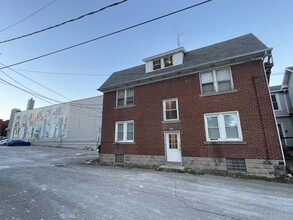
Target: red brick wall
(251, 100)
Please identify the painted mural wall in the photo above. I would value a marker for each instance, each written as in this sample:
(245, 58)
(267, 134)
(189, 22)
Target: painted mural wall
(47, 122)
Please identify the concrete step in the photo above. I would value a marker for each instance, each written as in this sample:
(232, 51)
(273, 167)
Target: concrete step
(172, 168)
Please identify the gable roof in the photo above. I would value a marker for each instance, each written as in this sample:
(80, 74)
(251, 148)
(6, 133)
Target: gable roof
(240, 49)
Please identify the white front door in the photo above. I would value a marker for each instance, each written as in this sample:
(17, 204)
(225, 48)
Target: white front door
(173, 148)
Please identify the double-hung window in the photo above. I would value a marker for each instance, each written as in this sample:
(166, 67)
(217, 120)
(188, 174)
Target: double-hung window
(168, 61)
(125, 97)
(157, 64)
(216, 81)
(223, 126)
(170, 109)
(124, 131)
(275, 102)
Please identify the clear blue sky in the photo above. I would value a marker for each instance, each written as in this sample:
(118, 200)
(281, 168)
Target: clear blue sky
(216, 21)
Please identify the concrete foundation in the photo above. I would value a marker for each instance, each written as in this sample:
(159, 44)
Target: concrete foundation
(254, 167)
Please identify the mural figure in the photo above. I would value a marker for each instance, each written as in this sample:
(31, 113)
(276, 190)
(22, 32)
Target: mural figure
(49, 122)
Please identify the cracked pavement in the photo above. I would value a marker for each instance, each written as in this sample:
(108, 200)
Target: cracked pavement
(52, 183)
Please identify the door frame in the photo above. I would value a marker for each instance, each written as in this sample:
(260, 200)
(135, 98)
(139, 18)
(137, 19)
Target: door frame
(179, 144)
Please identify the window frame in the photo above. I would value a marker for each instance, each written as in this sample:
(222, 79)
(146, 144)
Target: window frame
(215, 81)
(166, 59)
(125, 124)
(277, 101)
(164, 109)
(157, 64)
(222, 128)
(124, 98)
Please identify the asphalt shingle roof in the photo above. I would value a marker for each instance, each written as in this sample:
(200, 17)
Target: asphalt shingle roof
(238, 47)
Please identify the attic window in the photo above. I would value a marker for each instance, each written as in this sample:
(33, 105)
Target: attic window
(168, 61)
(157, 64)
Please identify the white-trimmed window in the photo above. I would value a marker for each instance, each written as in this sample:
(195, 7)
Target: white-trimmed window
(124, 131)
(170, 109)
(216, 81)
(125, 97)
(275, 101)
(224, 126)
(168, 61)
(157, 64)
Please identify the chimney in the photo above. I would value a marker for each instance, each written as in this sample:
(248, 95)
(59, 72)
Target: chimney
(30, 104)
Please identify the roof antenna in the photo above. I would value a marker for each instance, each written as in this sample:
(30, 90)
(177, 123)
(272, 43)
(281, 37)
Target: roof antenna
(179, 39)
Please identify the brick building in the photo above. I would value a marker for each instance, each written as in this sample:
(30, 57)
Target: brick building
(206, 109)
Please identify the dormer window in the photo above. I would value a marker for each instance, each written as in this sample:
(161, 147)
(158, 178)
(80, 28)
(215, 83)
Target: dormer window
(168, 61)
(157, 64)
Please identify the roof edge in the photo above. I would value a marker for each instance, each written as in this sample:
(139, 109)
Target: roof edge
(114, 87)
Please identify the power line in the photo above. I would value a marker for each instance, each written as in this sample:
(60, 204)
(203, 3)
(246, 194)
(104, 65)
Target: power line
(38, 83)
(10, 26)
(62, 73)
(57, 93)
(107, 35)
(34, 94)
(63, 23)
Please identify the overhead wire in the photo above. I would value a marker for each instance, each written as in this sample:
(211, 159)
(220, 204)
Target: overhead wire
(34, 94)
(107, 35)
(57, 93)
(63, 23)
(61, 73)
(16, 23)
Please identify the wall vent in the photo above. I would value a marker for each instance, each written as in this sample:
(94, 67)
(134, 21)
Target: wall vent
(236, 165)
(119, 158)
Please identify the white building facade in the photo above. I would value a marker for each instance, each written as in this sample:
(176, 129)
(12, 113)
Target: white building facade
(75, 124)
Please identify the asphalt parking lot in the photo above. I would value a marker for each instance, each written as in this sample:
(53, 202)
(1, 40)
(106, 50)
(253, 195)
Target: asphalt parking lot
(53, 183)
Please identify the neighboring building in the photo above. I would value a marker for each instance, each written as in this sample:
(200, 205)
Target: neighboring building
(3, 128)
(12, 114)
(206, 109)
(282, 99)
(75, 124)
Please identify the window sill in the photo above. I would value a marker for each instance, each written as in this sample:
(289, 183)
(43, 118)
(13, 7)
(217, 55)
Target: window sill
(218, 93)
(224, 142)
(126, 106)
(123, 143)
(171, 121)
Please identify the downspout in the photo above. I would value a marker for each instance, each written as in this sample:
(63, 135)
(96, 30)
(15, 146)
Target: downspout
(261, 119)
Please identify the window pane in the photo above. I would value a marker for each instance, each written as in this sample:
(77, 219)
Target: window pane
(232, 132)
(224, 86)
(120, 136)
(213, 128)
(206, 77)
(121, 94)
(208, 88)
(230, 120)
(120, 127)
(129, 127)
(212, 122)
(223, 75)
(276, 107)
(168, 61)
(274, 98)
(120, 102)
(170, 105)
(130, 92)
(173, 142)
(171, 114)
(214, 133)
(156, 64)
(231, 126)
(129, 131)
